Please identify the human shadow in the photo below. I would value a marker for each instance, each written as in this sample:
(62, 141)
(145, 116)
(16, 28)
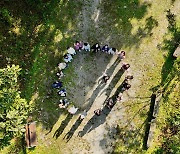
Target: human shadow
(113, 82)
(96, 121)
(113, 67)
(131, 137)
(95, 94)
(63, 125)
(101, 84)
(71, 132)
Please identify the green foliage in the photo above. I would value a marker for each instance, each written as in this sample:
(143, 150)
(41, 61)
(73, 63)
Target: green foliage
(13, 109)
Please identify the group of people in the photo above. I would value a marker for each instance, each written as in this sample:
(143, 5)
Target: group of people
(68, 57)
(109, 103)
(80, 46)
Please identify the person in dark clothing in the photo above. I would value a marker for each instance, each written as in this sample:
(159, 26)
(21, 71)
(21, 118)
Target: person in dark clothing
(110, 103)
(125, 85)
(125, 66)
(105, 48)
(63, 103)
(98, 112)
(129, 77)
(62, 92)
(96, 47)
(57, 84)
(105, 78)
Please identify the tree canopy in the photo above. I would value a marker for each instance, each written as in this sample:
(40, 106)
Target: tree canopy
(13, 108)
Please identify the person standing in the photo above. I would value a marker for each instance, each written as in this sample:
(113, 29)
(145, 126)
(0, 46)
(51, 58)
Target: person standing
(83, 115)
(98, 112)
(125, 67)
(73, 110)
(121, 55)
(78, 46)
(105, 48)
(112, 51)
(105, 78)
(96, 47)
(71, 51)
(86, 47)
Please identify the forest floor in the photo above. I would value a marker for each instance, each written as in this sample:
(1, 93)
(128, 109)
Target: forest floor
(139, 28)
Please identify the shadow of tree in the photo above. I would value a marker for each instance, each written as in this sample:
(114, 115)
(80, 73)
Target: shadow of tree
(168, 69)
(34, 35)
(170, 46)
(172, 1)
(107, 143)
(121, 13)
(130, 139)
(170, 74)
(148, 122)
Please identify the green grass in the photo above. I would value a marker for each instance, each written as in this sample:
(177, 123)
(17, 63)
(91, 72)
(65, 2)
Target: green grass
(168, 129)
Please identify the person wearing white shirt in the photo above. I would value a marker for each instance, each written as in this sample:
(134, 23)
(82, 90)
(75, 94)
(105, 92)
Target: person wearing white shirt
(71, 51)
(62, 66)
(112, 51)
(86, 47)
(73, 110)
(67, 58)
(83, 115)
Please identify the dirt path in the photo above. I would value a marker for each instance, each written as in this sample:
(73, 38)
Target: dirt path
(88, 18)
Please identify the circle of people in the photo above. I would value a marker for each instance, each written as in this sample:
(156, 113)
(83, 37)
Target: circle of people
(68, 57)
